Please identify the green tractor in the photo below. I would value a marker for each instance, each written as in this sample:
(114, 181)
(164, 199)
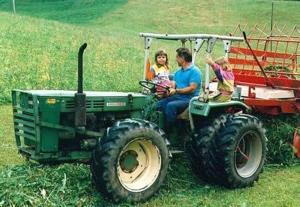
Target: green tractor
(121, 135)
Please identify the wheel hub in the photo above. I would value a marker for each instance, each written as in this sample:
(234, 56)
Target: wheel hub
(139, 165)
(129, 161)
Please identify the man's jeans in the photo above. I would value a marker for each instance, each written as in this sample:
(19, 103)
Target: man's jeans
(172, 106)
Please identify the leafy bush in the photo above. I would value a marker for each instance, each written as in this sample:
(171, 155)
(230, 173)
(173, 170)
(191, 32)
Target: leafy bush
(280, 132)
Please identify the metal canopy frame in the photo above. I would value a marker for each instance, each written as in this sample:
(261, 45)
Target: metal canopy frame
(198, 39)
(190, 37)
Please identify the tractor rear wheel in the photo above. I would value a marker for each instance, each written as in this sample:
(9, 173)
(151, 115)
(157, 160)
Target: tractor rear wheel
(202, 156)
(131, 161)
(240, 151)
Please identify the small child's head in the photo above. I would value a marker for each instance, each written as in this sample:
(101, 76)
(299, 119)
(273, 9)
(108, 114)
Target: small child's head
(161, 57)
(224, 63)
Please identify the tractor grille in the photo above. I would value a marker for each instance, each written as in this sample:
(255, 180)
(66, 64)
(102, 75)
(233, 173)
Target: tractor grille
(24, 123)
(90, 104)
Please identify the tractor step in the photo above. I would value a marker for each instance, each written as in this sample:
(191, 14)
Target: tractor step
(176, 151)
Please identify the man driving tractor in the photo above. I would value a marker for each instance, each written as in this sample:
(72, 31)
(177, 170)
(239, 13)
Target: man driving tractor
(186, 85)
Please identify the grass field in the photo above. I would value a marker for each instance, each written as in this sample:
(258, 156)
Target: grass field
(38, 49)
(28, 184)
(39, 44)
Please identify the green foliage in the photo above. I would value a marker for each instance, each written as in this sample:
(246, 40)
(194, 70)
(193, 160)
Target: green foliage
(67, 11)
(277, 68)
(280, 133)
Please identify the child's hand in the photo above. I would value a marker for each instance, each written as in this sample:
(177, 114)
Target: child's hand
(209, 60)
(172, 91)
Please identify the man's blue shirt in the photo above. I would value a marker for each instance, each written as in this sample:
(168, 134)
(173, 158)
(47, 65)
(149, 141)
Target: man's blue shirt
(184, 78)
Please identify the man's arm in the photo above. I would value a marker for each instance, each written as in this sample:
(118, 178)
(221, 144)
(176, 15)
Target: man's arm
(188, 90)
(172, 89)
(173, 84)
(195, 79)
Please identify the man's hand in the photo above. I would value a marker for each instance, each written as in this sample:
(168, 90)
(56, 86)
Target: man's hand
(172, 91)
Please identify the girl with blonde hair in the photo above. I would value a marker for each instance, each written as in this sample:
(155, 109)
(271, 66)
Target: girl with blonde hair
(224, 74)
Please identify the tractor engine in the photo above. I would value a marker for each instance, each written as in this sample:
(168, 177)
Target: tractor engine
(44, 121)
(57, 125)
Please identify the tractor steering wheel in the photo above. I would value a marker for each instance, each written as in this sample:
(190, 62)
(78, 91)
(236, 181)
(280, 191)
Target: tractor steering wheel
(152, 86)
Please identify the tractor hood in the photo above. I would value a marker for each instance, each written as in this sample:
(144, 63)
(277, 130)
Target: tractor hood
(63, 93)
(64, 100)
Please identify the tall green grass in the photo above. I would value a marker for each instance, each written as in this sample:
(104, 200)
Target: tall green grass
(67, 11)
(38, 45)
(280, 133)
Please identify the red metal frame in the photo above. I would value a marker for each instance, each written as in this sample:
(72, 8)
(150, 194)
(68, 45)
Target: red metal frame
(276, 49)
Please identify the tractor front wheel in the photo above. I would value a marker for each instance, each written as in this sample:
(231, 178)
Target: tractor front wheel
(131, 161)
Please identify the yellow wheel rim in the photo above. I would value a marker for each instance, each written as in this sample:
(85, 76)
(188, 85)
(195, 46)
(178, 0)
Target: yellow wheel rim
(139, 165)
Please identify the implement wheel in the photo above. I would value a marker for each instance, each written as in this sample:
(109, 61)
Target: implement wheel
(131, 161)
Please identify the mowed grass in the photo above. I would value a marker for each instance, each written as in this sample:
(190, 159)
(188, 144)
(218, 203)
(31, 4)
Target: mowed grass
(25, 183)
(70, 185)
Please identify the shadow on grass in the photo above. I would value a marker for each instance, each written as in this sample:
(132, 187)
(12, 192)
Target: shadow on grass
(67, 11)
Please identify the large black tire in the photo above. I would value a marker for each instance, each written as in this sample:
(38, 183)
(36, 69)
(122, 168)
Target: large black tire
(202, 157)
(239, 151)
(131, 161)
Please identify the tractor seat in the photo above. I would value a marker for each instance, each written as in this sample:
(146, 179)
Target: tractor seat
(236, 96)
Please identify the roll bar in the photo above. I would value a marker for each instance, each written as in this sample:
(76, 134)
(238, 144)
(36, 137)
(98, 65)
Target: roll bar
(189, 37)
(198, 39)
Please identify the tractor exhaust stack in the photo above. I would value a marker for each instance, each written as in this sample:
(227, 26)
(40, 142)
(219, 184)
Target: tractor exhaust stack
(80, 97)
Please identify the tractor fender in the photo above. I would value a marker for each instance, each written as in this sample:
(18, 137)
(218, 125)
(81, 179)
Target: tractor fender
(204, 109)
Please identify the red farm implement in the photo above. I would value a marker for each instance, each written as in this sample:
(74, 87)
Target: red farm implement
(267, 70)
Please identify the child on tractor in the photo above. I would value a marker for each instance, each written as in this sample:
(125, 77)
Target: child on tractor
(225, 78)
(160, 72)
